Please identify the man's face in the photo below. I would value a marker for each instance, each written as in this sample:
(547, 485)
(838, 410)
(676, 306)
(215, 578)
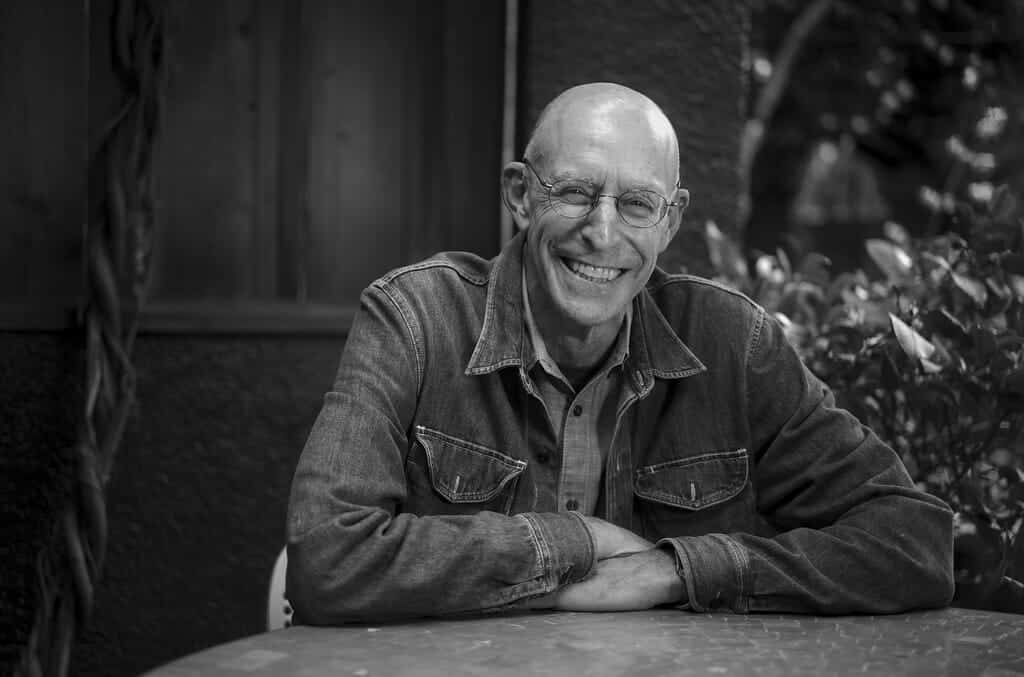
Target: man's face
(584, 272)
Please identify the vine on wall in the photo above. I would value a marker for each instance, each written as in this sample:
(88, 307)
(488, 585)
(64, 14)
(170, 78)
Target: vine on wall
(118, 238)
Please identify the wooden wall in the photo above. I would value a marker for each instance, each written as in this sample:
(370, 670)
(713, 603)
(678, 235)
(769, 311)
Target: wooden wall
(44, 146)
(307, 147)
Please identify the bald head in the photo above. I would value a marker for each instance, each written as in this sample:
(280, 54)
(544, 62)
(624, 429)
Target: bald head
(600, 108)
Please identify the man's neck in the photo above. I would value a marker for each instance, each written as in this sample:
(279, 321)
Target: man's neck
(580, 352)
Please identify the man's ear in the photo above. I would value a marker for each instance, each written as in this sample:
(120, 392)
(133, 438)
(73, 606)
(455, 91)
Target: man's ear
(675, 217)
(515, 193)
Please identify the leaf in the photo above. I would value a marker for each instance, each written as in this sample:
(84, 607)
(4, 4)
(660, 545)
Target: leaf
(896, 232)
(973, 288)
(784, 262)
(725, 254)
(914, 345)
(942, 355)
(891, 259)
(768, 269)
(1017, 282)
(814, 268)
(937, 260)
(998, 287)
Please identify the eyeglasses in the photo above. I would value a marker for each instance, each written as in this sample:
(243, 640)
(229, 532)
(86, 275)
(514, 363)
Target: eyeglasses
(575, 198)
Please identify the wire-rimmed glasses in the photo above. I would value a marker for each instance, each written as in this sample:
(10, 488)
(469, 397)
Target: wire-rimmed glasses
(575, 198)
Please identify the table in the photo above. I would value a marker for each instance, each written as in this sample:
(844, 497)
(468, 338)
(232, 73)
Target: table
(656, 642)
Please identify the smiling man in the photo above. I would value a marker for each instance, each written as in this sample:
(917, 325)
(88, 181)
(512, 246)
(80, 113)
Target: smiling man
(567, 426)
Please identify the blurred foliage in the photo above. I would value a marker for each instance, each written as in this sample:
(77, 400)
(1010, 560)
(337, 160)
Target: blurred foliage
(926, 347)
(930, 92)
(918, 328)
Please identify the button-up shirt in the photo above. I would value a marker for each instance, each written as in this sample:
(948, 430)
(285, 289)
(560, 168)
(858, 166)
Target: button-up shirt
(417, 492)
(582, 421)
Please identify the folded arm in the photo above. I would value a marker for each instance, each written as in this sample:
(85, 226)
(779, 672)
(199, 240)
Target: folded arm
(352, 553)
(855, 536)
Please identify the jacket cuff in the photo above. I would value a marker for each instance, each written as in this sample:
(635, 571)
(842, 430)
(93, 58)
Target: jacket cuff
(564, 545)
(715, 570)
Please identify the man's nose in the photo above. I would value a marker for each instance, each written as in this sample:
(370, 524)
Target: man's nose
(603, 221)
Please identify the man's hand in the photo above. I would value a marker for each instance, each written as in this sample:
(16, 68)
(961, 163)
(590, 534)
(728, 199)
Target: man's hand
(612, 541)
(625, 583)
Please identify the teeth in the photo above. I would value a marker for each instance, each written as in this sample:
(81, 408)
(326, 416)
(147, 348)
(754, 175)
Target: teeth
(593, 272)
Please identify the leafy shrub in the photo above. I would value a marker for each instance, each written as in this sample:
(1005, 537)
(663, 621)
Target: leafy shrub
(928, 350)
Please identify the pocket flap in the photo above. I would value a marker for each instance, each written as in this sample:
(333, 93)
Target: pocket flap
(464, 472)
(694, 482)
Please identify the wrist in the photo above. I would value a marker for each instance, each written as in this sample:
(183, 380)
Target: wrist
(669, 576)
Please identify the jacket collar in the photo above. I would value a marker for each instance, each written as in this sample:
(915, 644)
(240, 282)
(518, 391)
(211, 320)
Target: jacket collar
(655, 350)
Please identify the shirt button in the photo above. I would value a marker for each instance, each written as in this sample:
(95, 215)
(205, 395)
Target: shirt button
(543, 457)
(577, 410)
(572, 504)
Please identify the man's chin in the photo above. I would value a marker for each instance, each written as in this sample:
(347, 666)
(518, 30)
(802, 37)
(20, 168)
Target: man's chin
(590, 314)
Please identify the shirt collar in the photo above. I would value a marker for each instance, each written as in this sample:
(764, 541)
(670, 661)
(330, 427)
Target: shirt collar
(654, 349)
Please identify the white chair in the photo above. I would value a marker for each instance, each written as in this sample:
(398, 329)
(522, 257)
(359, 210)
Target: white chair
(279, 610)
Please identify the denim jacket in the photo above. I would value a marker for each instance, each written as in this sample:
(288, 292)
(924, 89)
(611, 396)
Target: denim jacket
(414, 494)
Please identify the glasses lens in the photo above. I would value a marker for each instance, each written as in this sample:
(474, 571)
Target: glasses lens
(572, 198)
(641, 208)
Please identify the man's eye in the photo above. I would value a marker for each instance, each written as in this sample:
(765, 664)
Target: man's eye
(572, 193)
(637, 203)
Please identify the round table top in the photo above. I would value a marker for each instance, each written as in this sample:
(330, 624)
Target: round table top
(656, 642)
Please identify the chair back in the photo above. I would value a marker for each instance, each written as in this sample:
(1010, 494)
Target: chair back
(279, 611)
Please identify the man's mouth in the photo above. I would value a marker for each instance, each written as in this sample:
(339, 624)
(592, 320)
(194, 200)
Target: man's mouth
(592, 273)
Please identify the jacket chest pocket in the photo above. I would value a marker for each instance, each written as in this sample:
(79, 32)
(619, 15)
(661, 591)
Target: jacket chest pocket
(692, 495)
(446, 475)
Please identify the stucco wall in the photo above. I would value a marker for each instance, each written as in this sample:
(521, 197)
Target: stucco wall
(39, 393)
(197, 499)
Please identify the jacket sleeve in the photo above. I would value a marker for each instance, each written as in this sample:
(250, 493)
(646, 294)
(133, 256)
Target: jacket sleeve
(352, 555)
(855, 535)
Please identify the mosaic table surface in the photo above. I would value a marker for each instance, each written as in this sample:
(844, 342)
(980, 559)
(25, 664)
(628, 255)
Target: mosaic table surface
(658, 642)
